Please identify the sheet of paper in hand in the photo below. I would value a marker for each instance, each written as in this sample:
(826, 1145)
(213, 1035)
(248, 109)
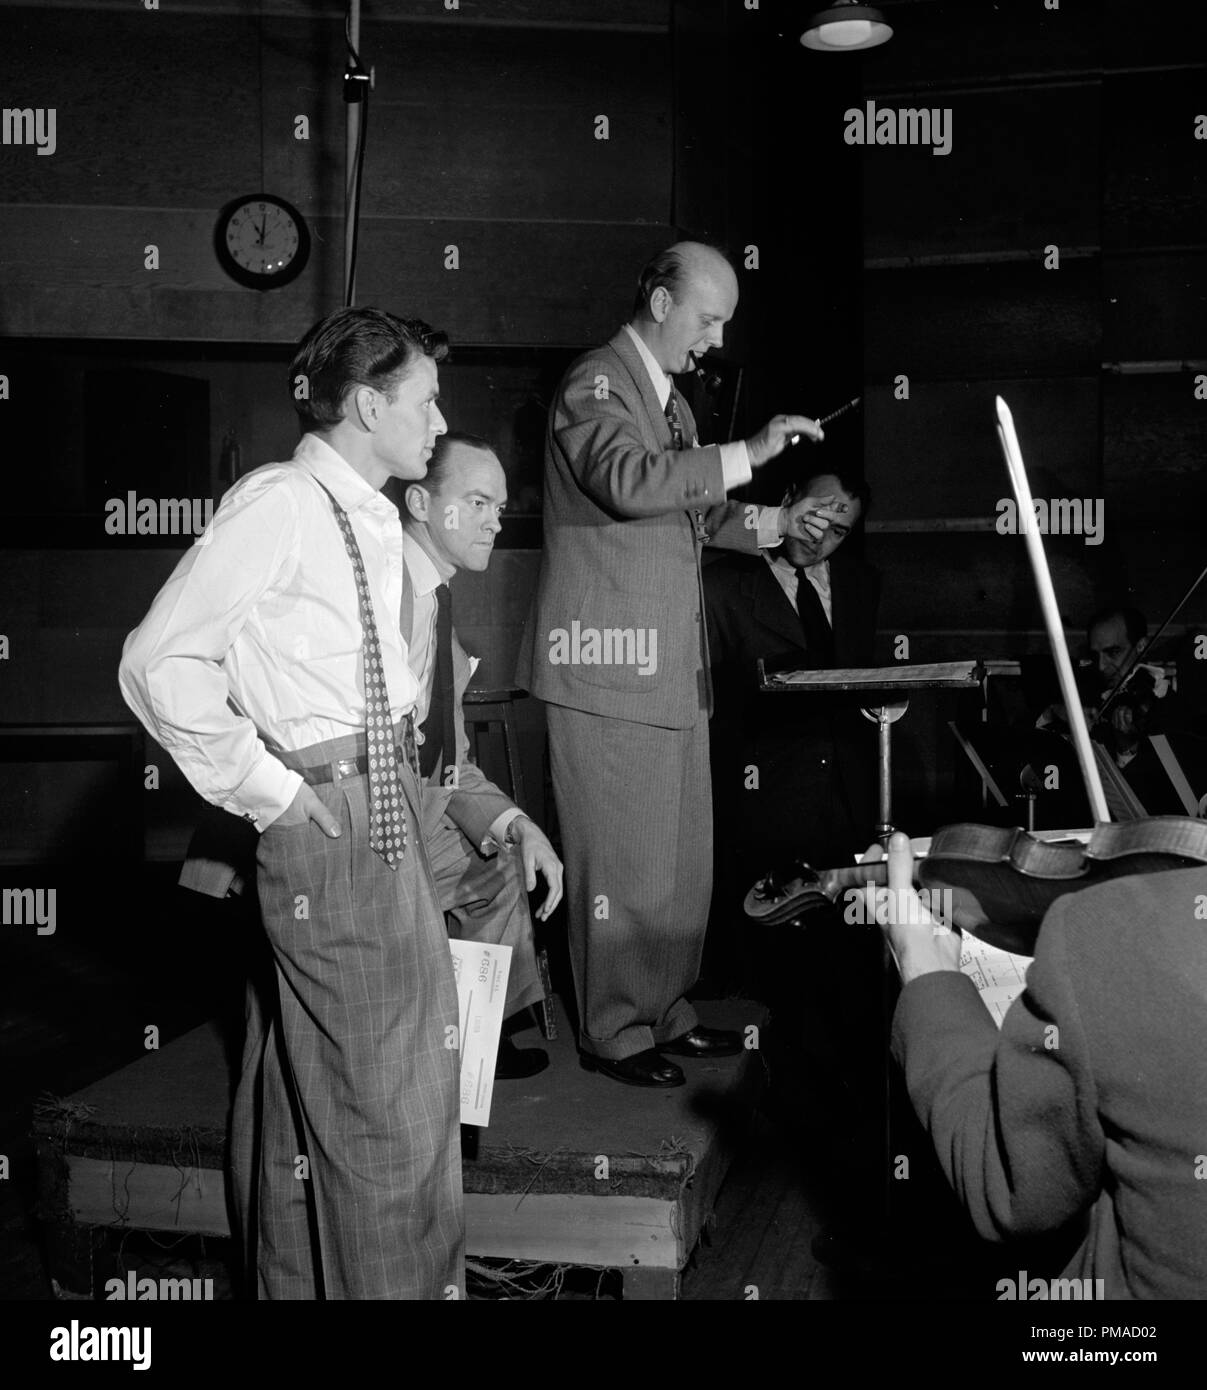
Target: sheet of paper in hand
(999, 976)
(481, 974)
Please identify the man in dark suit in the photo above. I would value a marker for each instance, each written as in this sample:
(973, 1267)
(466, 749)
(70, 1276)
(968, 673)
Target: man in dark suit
(451, 520)
(792, 774)
(1084, 1116)
(616, 647)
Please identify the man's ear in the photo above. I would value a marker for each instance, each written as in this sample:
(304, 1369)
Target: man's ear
(360, 407)
(660, 304)
(1141, 644)
(418, 501)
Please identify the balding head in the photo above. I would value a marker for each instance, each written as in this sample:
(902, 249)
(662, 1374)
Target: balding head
(685, 297)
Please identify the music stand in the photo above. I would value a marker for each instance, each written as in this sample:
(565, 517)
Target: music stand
(878, 680)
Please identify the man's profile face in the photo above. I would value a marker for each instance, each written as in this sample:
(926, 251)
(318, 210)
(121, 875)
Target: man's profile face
(695, 319)
(1110, 648)
(464, 514)
(408, 425)
(801, 550)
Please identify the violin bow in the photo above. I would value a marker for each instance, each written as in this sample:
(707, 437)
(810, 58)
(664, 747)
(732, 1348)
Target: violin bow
(1047, 598)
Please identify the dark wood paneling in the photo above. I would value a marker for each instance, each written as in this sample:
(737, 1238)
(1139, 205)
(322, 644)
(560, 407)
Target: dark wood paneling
(1155, 178)
(1155, 306)
(937, 455)
(463, 123)
(1155, 438)
(984, 321)
(640, 15)
(1023, 172)
(967, 41)
(519, 283)
(981, 583)
(148, 113)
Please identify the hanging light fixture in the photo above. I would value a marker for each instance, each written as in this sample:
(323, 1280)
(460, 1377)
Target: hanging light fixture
(846, 26)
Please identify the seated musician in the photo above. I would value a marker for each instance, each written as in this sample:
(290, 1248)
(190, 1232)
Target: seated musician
(802, 605)
(795, 775)
(1084, 1117)
(1116, 636)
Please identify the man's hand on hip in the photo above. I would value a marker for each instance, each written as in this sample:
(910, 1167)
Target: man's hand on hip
(777, 434)
(307, 806)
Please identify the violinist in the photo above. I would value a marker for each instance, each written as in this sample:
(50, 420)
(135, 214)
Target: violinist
(1084, 1117)
(1116, 637)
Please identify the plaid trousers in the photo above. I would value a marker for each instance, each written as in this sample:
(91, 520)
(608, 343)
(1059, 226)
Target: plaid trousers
(351, 1081)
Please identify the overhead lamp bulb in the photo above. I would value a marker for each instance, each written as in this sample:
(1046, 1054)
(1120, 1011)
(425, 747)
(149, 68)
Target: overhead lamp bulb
(845, 27)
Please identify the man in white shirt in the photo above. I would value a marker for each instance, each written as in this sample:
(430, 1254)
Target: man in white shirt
(271, 666)
(616, 647)
(451, 520)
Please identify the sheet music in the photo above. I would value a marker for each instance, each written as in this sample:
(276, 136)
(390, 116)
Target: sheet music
(998, 975)
(954, 672)
(481, 971)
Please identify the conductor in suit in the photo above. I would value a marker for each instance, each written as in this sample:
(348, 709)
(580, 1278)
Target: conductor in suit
(616, 646)
(1083, 1118)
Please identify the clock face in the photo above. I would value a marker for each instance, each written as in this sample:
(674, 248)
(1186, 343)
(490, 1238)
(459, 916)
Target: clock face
(262, 241)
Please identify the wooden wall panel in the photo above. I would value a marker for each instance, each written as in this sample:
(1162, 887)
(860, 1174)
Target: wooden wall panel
(480, 135)
(1155, 306)
(638, 16)
(1154, 190)
(946, 434)
(518, 283)
(150, 114)
(959, 42)
(980, 584)
(1023, 172)
(983, 321)
(1155, 448)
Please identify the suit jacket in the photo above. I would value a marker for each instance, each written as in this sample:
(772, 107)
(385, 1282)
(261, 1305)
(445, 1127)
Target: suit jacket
(1086, 1113)
(221, 857)
(474, 803)
(808, 749)
(621, 544)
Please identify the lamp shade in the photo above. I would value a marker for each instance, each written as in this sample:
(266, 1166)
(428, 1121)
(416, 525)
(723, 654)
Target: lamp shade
(845, 27)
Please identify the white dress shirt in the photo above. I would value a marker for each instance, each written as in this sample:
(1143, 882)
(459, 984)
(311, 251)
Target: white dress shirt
(425, 578)
(788, 578)
(735, 458)
(263, 611)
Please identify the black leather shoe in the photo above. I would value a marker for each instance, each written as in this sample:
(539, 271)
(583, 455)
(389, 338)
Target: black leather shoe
(515, 1063)
(704, 1042)
(648, 1068)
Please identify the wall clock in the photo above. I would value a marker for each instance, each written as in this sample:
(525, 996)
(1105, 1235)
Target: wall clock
(262, 241)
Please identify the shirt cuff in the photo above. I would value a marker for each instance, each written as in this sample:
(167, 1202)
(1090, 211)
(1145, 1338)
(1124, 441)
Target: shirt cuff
(769, 528)
(498, 826)
(735, 465)
(266, 793)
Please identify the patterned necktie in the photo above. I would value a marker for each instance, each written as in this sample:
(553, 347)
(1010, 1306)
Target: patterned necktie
(819, 635)
(439, 735)
(674, 419)
(387, 813)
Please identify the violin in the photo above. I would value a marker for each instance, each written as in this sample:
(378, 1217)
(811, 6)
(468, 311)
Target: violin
(1002, 881)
